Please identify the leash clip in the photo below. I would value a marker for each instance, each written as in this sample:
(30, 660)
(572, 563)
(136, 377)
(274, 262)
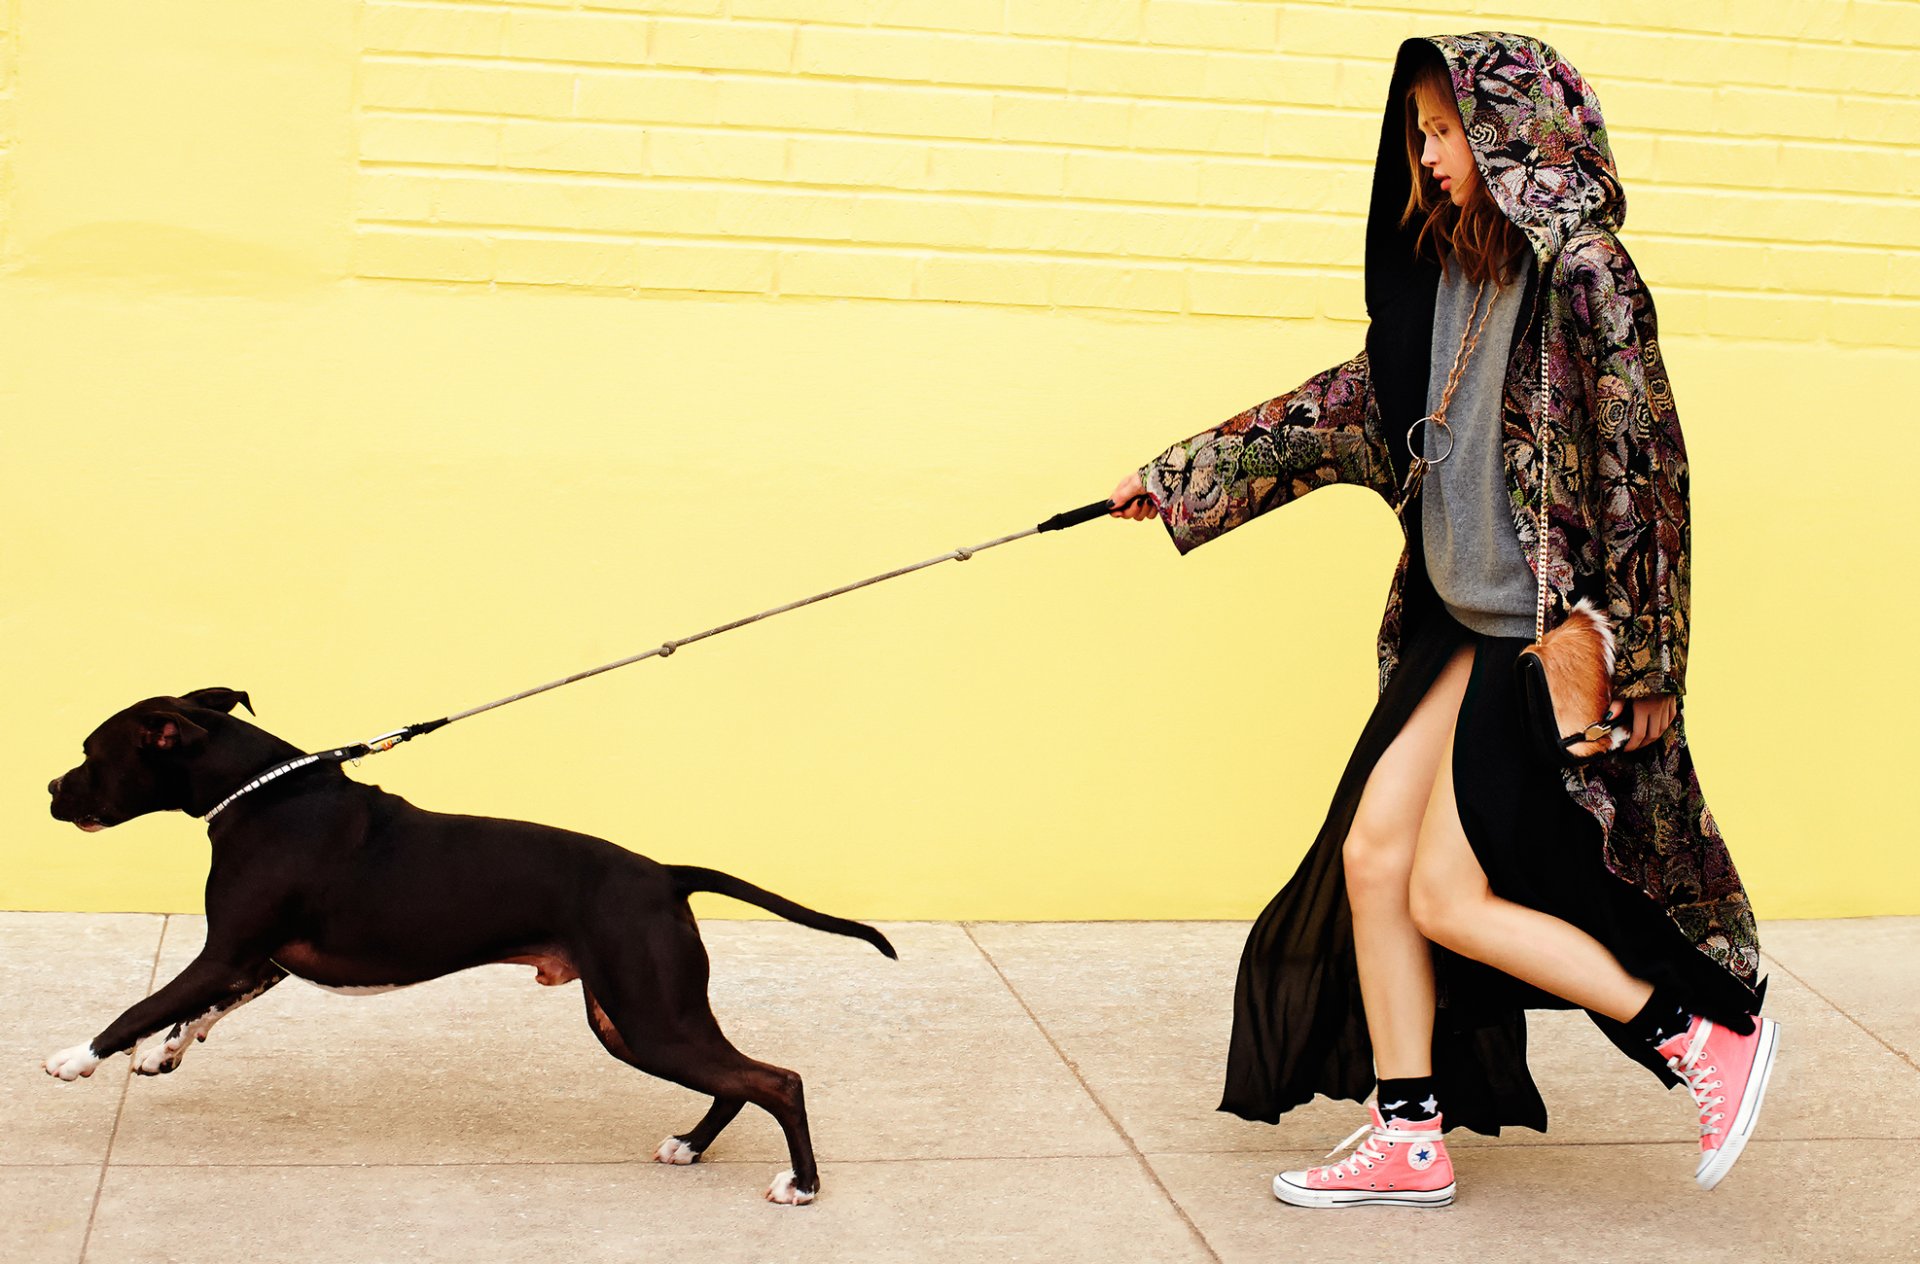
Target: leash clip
(382, 744)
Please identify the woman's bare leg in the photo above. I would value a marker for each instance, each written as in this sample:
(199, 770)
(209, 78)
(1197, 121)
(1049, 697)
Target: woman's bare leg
(1452, 906)
(1394, 958)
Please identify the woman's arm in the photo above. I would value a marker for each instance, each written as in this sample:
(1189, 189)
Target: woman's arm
(1326, 430)
(1640, 462)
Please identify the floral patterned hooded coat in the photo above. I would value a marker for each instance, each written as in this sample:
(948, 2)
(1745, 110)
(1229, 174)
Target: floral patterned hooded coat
(1617, 517)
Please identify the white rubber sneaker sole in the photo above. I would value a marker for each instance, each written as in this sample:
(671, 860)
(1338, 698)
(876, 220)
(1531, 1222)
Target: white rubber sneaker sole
(1716, 1165)
(1289, 1189)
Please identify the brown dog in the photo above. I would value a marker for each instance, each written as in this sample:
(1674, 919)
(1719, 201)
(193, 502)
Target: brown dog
(350, 887)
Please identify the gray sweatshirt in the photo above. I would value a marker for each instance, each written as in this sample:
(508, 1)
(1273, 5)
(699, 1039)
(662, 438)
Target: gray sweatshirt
(1473, 552)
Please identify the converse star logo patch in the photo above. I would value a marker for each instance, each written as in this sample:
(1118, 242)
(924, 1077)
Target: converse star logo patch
(1421, 1157)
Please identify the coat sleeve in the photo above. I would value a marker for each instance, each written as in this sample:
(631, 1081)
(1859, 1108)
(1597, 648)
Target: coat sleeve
(1639, 467)
(1326, 430)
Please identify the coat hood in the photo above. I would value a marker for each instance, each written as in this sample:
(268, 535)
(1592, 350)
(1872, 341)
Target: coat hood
(1537, 138)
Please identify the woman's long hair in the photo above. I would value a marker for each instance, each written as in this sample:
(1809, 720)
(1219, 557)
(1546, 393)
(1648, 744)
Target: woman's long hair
(1485, 241)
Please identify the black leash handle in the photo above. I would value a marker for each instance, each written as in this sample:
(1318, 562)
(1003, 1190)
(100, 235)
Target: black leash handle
(1087, 513)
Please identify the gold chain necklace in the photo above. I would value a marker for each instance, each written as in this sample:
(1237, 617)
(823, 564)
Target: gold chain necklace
(1476, 321)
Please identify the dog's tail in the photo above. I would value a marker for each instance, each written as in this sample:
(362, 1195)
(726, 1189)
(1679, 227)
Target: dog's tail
(690, 878)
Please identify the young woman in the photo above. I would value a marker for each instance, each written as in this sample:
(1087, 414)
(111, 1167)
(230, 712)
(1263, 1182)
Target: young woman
(1462, 874)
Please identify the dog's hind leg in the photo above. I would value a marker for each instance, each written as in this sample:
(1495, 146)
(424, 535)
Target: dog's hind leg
(733, 1078)
(681, 1149)
(653, 1015)
(710, 1064)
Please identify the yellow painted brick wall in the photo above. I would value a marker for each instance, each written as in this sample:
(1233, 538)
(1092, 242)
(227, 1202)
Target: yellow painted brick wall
(9, 25)
(383, 356)
(1186, 156)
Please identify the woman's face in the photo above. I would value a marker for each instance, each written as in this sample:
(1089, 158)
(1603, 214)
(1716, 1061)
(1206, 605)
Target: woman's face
(1446, 154)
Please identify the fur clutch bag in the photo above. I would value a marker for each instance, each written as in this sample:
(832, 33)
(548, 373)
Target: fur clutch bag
(1566, 681)
(1566, 675)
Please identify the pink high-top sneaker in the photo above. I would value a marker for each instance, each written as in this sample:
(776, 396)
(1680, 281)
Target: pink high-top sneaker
(1399, 1165)
(1727, 1075)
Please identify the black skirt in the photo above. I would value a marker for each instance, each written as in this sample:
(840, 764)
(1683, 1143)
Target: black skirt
(1298, 1025)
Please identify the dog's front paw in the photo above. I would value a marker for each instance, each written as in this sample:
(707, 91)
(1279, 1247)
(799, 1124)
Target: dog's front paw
(676, 1152)
(71, 1064)
(783, 1190)
(161, 1054)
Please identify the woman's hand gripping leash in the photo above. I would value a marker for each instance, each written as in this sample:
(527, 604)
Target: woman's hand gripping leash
(1130, 500)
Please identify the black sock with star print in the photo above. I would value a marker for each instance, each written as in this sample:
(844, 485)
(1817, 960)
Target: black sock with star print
(1663, 1017)
(1410, 1101)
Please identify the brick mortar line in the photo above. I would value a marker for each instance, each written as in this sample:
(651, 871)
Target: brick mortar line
(946, 197)
(790, 132)
(1838, 1009)
(1126, 314)
(943, 197)
(1073, 1068)
(1049, 146)
(721, 74)
(120, 1108)
(501, 61)
(1896, 148)
(468, 229)
(480, 6)
(1067, 92)
(1154, 263)
(907, 139)
(1825, 342)
(1616, 28)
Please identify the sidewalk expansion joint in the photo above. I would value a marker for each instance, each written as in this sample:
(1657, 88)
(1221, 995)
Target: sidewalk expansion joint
(641, 1162)
(120, 1107)
(1112, 1120)
(1873, 1035)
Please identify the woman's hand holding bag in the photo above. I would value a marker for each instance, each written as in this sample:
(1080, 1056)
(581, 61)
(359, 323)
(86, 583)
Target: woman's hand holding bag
(1566, 675)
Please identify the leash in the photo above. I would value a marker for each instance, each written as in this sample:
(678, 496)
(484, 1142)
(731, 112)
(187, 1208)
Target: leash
(387, 741)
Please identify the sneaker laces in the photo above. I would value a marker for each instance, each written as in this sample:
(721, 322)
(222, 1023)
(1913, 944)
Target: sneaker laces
(1368, 1153)
(1695, 1076)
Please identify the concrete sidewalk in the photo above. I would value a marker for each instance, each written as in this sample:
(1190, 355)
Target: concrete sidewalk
(1003, 1092)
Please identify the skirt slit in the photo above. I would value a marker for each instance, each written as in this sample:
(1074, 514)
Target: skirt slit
(1299, 1028)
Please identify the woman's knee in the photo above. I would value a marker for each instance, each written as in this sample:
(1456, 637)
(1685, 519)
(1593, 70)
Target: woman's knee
(1443, 911)
(1378, 863)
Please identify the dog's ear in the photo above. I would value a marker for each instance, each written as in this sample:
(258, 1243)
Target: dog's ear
(219, 699)
(169, 730)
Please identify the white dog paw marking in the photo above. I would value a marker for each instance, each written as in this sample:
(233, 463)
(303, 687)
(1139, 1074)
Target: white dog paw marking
(677, 1152)
(160, 1054)
(783, 1190)
(71, 1064)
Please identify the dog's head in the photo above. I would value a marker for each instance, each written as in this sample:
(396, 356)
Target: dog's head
(137, 762)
